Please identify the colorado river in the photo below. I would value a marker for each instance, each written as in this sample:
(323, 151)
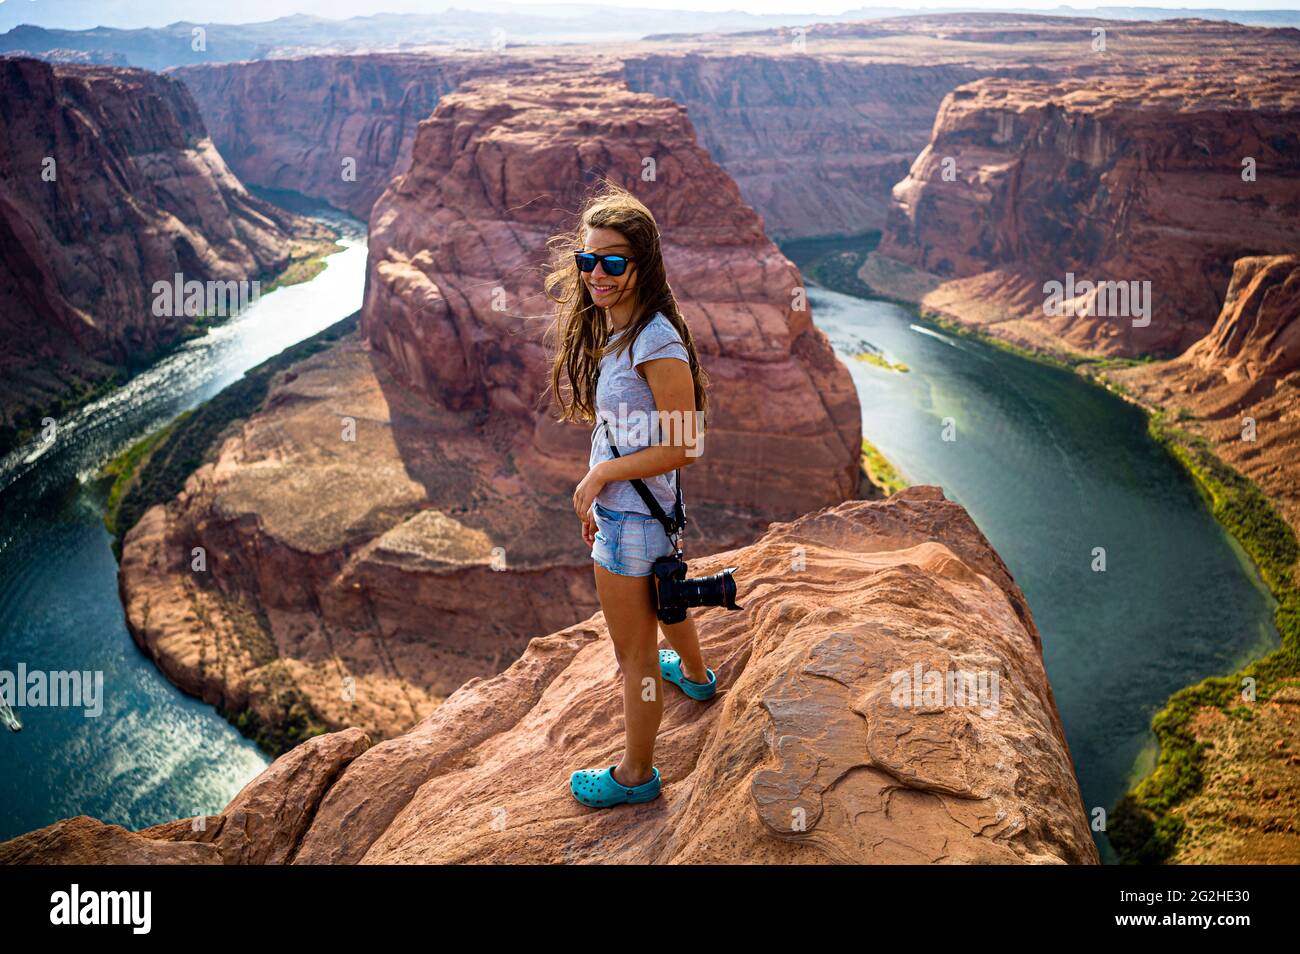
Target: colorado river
(152, 754)
(1049, 466)
(1052, 467)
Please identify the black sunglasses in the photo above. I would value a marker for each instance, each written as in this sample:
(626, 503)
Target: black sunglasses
(614, 265)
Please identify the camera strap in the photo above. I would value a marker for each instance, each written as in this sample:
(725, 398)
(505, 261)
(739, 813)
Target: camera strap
(678, 522)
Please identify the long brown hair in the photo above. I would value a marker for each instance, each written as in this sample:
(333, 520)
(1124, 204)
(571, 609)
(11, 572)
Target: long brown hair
(579, 332)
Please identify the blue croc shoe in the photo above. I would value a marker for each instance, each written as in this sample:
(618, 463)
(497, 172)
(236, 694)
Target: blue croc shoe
(670, 667)
(597, 788)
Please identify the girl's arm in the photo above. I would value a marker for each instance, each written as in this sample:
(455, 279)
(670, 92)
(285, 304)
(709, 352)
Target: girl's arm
(673, 387)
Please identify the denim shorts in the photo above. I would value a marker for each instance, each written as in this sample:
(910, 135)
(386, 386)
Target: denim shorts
(628, 543)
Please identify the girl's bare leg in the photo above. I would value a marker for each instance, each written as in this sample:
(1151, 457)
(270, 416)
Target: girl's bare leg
(686, 641)
(630, 616)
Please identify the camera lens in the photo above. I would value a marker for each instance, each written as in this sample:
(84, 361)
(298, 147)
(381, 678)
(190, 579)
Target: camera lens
(716, 590)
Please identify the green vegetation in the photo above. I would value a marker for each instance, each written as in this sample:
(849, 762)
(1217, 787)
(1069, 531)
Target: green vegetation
(303, 268)
(77, 392)
(307, 262)
(296, 723)
(1142, 829)
(882, 362)
(879, 470)
(834, 262)
(123, 468)
(154, 469)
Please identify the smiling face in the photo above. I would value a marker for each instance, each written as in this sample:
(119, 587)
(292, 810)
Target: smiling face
(608, 290)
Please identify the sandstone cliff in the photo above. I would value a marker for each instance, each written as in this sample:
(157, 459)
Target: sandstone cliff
(815, 126)
(397, 518)
(1122, 180)
(814, 143)
(807, 754)
(457, 249)
(335, 127)
(108, 184)
(1238, 389)
(1248, 366)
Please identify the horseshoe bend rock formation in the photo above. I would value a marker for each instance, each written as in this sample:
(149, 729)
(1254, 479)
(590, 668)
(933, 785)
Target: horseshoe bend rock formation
(360, 581)
(809, 752)
(108, 184)
(365, 552)
(457, 249)
(1126, 180)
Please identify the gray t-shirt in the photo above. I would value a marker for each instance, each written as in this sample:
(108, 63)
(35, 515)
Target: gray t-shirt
(624, 399)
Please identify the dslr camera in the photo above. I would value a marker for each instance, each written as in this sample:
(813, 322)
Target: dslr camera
(673, 593)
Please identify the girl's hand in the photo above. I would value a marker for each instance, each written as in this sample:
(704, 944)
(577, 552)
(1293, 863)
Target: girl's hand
(589, 529)
(588, 490)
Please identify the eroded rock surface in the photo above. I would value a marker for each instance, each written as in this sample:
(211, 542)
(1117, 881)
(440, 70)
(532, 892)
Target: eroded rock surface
(1239, 386)
(807, 754)
(360, 581)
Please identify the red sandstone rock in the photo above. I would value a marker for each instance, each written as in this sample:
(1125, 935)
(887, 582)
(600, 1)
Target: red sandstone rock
(815, 135)
(1257, 336)
(1248, 366)
(291, 123)
(360, 583)
(815, 143)
(457, 249)
(1129, 180)
(803, 734)
(264, 823)
(805, 756)
(139, 194)
(1239, 388)
(351, 582)
(87, 841)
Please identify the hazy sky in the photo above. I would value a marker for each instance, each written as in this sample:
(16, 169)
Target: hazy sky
(79, 14)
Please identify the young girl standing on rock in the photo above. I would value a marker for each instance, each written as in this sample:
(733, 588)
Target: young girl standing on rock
(624, 356)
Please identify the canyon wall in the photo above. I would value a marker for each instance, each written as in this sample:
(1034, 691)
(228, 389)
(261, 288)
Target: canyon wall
(108, 184)
(395, 518)
(815, 128)
(337, 128)
(810, 752)
(1118, 180)
(1248, 366)
(814, 143)
(1238, 389)
(458, 251)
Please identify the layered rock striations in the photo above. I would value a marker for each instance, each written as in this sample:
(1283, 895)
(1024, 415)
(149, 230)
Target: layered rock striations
(1239, 386)
(334, 127)
(816, 125)
(814, 143)
(109, 184)
(396, 516)
(457, 254)
(816, 748)
(1157, 185)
